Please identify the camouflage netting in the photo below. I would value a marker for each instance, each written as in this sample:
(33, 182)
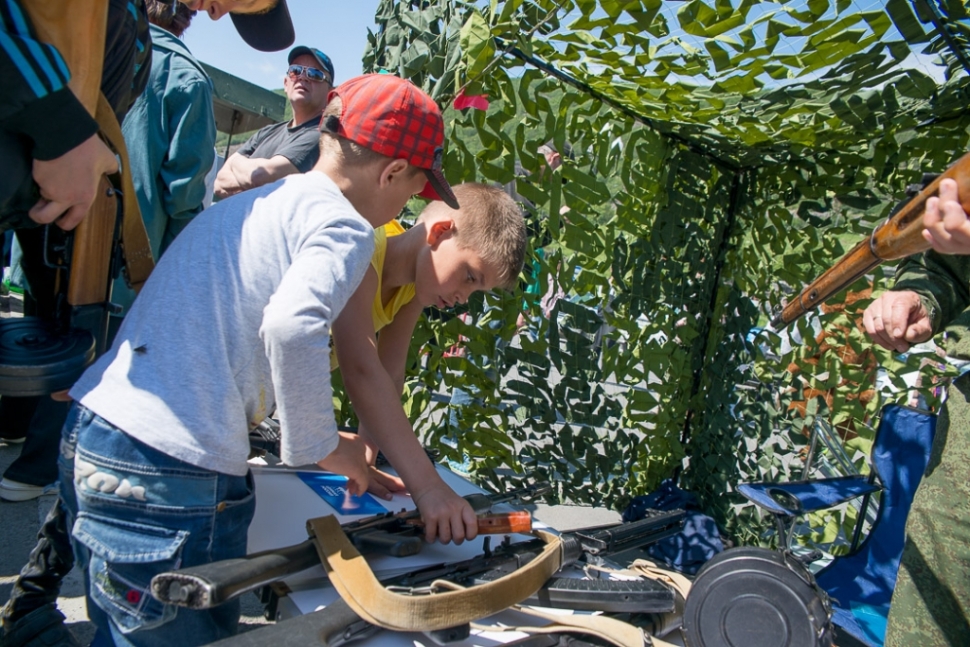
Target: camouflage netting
(720, 156)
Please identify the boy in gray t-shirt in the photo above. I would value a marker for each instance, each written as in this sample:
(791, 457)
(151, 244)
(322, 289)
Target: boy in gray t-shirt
(234, 321)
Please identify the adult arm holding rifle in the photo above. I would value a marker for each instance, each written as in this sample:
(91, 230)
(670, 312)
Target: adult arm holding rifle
(929, 290)
(932, 291)
(931, 600)
(899, 237)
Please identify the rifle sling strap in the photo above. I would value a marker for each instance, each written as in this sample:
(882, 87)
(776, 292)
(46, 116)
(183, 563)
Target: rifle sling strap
(615, 632)
(361, 590)
(678, 582)
(134, 238)
(610, 630)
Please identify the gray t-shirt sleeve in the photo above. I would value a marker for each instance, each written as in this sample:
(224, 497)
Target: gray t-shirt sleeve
(303, 150)
(295, 331)
(253, 142)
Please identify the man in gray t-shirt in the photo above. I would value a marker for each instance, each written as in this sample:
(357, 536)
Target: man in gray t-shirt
(289, 146)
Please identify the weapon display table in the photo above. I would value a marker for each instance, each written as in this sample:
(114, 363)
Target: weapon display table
(286, 498)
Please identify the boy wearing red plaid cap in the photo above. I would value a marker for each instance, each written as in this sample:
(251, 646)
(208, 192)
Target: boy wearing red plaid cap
(235, 320)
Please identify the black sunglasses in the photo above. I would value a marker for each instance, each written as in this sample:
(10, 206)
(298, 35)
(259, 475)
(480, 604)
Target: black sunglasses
(311, 73)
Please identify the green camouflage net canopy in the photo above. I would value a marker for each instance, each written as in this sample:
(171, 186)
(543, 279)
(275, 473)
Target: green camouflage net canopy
(716, 157)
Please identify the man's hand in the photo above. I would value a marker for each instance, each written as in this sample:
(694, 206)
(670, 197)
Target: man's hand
(947, 225)
(446, 516)
(896, 320)
(226, 183)
(68, 184)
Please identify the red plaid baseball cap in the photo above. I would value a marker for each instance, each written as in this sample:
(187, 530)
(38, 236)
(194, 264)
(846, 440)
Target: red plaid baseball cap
(394, 117)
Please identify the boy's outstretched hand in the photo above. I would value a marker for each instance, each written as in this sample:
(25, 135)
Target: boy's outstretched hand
(446, 516)
(382, 484)
(350, 460)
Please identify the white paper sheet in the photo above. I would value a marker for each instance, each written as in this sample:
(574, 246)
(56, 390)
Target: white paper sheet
(284, 503)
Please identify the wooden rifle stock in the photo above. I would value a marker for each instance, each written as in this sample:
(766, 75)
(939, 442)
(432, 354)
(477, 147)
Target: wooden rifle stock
(900, 236)
(91, 250)
(60, 24)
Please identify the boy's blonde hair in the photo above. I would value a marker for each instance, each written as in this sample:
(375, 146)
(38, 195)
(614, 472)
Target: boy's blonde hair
(491, 223)
(350, 153)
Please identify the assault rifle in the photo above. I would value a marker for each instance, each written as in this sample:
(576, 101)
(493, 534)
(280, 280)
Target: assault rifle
(900, 236)
(338, 624)
(396, 534)
(47, 354)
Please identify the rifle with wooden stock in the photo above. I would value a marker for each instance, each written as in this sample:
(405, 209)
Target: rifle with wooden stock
(395, 534)
(111, 234)
(900, 236)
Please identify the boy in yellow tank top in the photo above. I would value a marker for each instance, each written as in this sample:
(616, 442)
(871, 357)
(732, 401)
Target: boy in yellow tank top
(444, 258)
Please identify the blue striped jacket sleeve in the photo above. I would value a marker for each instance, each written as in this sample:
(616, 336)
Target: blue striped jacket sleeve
(36, 101)
(36, 68)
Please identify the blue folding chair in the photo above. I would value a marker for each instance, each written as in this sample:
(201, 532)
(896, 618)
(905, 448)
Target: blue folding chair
(861, 583)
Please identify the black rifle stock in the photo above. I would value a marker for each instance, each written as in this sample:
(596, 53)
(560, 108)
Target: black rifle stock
(395, 534)
(338, 624)
(900, 236)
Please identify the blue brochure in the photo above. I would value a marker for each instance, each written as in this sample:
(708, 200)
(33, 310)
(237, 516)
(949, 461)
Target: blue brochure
(332, 488)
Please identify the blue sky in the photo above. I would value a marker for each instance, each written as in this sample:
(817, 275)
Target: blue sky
(340, 30)
(337, 28)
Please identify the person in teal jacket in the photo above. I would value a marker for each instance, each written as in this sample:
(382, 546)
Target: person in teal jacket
(171, 133)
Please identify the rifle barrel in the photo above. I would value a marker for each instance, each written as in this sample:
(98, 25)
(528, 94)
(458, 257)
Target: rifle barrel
(632, 534)
(900, 236)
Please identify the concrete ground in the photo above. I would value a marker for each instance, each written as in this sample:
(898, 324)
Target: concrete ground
(18, 532)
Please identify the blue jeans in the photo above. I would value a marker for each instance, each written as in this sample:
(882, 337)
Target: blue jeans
(136, 512)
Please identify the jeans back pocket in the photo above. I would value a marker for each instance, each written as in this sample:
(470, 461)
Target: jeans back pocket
(124, 557)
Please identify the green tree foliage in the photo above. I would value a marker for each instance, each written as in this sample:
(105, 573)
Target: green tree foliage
(721, 153)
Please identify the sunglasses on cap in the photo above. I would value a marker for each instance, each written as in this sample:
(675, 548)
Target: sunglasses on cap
(309, 73)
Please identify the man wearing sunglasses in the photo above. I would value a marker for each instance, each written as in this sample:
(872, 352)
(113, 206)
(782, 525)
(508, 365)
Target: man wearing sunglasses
(290, 146)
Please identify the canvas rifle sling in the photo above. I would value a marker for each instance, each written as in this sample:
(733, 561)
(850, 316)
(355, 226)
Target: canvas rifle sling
(361, 590)
(678, 582)
(616, 632)
(134, 237)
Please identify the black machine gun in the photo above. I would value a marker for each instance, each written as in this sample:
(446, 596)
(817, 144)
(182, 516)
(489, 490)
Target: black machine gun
(338, 624)
(71, 285)
(396, 534)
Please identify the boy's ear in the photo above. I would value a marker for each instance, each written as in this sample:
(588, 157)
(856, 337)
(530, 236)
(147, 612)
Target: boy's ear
(393, 171)
(439, 229)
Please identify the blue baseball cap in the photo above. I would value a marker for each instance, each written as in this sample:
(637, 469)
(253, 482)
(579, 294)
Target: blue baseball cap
(322, 58)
